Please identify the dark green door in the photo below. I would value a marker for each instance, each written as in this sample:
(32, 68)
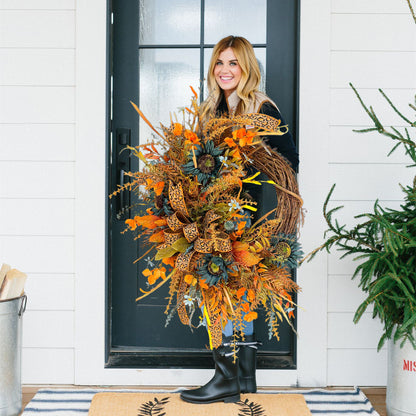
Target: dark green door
(160, 48)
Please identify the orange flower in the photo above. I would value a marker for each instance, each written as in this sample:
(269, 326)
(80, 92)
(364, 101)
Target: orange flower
(169, 261)
(131, 223)
(153, 275)
(177, 129)
(202, 284)
(251, 316)
(190, 279)
(246, 307)
(230, 142)
(236, 154)
(244, 137)
(191, 137)
(240, 292)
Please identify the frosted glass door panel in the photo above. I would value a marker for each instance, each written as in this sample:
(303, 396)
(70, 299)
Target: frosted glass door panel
(245, 18)
(168, 22)
(261, 59)
(165, 77)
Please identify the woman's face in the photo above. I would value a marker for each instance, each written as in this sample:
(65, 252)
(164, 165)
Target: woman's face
(227, 71)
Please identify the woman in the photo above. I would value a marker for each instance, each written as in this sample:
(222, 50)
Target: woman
(233, 81)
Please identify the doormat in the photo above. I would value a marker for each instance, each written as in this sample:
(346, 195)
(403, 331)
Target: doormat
(76, 402)
(148, 404)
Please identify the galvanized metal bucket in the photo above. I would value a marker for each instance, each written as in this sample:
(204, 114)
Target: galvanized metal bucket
(11, 312)
(401, 383)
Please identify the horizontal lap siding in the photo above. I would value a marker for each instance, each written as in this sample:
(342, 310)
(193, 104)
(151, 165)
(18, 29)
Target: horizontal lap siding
(373, 45)
(37, 176)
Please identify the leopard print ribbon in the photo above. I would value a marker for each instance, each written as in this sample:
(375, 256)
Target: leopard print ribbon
(180, 225)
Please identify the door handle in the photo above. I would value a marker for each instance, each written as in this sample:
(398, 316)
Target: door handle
(123, 139)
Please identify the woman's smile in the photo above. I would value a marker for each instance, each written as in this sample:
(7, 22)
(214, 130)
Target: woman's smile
(227, 71)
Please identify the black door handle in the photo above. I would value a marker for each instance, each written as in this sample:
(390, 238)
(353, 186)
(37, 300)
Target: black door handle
(123, 139)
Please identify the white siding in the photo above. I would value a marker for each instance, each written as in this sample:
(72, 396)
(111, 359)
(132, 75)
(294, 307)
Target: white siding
(373, 45)
(37, 157)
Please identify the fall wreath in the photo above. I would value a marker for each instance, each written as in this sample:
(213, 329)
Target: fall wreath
(200, 227)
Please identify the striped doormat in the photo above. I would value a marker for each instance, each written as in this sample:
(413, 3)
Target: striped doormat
(63, 402)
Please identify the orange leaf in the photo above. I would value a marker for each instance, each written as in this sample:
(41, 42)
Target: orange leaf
(157, 237)
(158, 187)
(196, 95)
(243, 256)
(146, 221)
(251, 316)
(161, 222)
(146, 272)
(246, 307)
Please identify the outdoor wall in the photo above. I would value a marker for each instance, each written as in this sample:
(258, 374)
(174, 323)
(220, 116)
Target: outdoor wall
(37, 158)
(371, 43)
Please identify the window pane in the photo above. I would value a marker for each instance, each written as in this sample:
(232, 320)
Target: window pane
(169, 22)
(261, 59)
(165, 78)
(240, 18)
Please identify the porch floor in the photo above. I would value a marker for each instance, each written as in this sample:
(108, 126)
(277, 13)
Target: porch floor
(376, 395)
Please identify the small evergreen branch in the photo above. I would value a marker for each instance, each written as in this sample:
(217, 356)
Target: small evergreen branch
(411, 10)
(384, 246)
(394, 108)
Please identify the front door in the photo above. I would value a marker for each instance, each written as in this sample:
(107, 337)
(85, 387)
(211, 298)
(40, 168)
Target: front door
(159, 49)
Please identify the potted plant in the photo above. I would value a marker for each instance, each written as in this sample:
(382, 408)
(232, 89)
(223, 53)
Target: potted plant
(384, 247)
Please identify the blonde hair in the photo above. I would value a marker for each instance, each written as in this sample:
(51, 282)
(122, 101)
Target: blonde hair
(250, 74)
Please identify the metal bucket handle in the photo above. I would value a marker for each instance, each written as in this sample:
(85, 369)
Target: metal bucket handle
(23, 305)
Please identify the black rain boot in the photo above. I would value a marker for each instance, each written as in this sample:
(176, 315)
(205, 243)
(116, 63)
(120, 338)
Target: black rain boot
(224, 386)
(247, 364)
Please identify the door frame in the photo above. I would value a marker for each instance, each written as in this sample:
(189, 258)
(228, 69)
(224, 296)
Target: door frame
(91, 201)
(282, 23)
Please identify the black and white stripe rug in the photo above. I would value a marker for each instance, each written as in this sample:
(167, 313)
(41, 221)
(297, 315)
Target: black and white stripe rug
(65, 402)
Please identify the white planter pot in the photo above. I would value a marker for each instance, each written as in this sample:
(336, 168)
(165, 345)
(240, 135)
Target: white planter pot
(401, 380)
